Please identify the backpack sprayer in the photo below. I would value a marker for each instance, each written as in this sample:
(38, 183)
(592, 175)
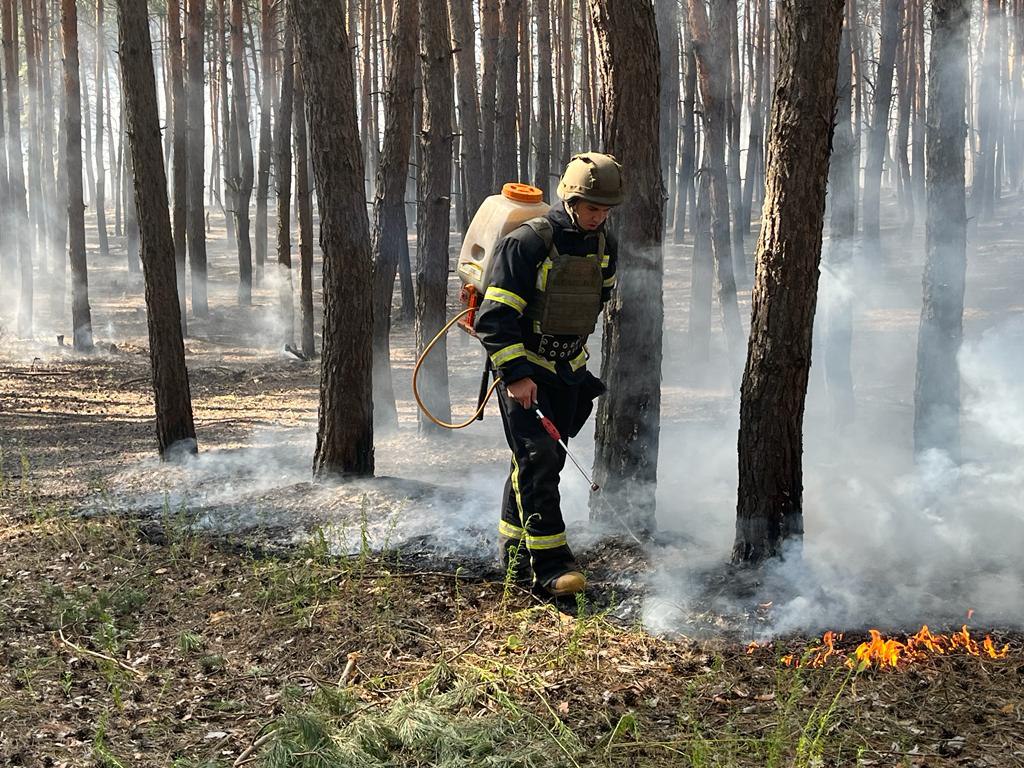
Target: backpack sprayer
(497, 216)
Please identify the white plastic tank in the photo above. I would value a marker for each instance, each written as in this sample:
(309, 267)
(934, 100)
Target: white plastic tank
(497, 216)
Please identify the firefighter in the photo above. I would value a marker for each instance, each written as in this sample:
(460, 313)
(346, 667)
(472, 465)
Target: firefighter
(548, 282)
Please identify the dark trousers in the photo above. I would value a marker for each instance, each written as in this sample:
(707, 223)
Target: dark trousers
(531, 511)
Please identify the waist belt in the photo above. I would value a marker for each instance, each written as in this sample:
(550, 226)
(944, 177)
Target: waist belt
(554, 349)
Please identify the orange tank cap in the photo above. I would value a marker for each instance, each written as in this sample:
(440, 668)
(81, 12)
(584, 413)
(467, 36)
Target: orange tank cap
(522, 193)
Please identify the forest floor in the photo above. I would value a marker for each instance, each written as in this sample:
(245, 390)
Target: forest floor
(230, 612)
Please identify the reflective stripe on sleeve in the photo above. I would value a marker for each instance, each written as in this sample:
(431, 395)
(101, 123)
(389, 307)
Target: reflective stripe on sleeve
(506, 354)
(511, 531)
(509, 299)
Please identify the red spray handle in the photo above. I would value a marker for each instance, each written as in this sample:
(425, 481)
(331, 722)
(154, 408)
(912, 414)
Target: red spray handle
(548, 424)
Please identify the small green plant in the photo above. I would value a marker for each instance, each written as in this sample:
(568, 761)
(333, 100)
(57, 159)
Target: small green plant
(102, 755)
(190, 643)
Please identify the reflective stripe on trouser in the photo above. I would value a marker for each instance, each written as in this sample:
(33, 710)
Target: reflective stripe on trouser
(531, 508)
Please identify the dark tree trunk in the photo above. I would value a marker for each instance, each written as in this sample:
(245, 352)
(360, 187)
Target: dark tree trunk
(267, 42)
(713, 76)
(525, 110)
(937, 393)
(489, 33)
(8, 255)
(16, 169)
(240, 122)
(304, 209)
(344, 443)
(565, 49)
(81, 317)
(545, 98)
(284, 189)
(179, 144)
(842, 231)
(434, 204)
(195, 220)
(505, 168)
(464, 42)
(54, 244)
(626, 451)
(769, 510)
(668, 38)
(174, 426)
(389, 237)
(917, 126)
(879, 128)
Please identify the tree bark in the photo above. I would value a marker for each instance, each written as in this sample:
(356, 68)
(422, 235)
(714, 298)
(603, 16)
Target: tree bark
(464, 43)
(490, 16)
(505, 168)
(345, 431)
(879, 129)
(755, 137)
(16, 170)
(268, 18)
(176, 431)
(389, 239)
(35, 189)
(81, 316)
(434, 204)
(525, 111)
(713, 77)
(769, 508)
(545, 99)
(179, 151)
(688, 150)
(240, 124)
(284, 190)
(983, 187)
(54, 244)
(195, 219)
(100, 202)
(734, 108)
(626, 450)
(937, 391)
(668, 23)
(702, 274)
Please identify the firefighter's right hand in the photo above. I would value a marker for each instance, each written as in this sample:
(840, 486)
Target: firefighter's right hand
(523, 391)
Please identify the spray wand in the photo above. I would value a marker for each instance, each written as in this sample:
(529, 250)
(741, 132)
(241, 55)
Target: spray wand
(551, 429)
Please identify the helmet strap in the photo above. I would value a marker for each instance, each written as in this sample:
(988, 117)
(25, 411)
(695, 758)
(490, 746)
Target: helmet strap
(571, 210)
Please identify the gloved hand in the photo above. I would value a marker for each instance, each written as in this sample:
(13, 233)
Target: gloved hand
(591, 388)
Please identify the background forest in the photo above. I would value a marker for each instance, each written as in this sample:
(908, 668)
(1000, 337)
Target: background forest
(244, 216)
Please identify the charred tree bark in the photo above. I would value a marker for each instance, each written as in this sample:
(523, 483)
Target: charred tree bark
(16, 170)
(490, 24)
(713, 77)
(179, 150)
(626, 451)
(267, 42)
(81, 317)
(390, 241)
(545, 99)
(284, 189)
(842, 231)
(195, 219)
(879, 128)
(937, 392)
(176, 431)
(345, 430)
(240, 121)
(304, 209)
(769, 513)
(505, 168)
(434, 204)
(464, 42)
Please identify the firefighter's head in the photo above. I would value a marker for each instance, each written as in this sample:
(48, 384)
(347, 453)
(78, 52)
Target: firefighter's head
(590, 187)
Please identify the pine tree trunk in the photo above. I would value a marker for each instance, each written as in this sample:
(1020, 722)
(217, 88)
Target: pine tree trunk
(267, 42)
(344, 444)
(545, 98)
(525, 111)
(904, 88)
(53, 248)
(505, 168)
(769, 508)
(16, 170)
(489, 34)
(626, 448)
(389, 238)
(240, 122)
(937, 391)
(879, 128)
(195, 221)
(713, 77)
(35, 189)
(566, 49)
(732, 120)
(100, 203)
(434, 203)
(688, 150)
(365, 98)
(464, 42)
(229, 131)
(8, 255)
(81, 316)
(983, 187)
(668, 24)
(304, 209)
(838, 324)
(755, 137)
(284, 186)
(176, 431)
(179, 144)
(702, 274)
(917, 126)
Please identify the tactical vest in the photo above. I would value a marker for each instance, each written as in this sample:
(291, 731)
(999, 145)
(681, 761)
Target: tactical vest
(567, 299)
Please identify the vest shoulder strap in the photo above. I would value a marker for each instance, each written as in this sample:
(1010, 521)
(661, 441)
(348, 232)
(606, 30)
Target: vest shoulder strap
(541, 225)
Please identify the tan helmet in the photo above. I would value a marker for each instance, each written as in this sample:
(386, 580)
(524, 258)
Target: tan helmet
(594, 177)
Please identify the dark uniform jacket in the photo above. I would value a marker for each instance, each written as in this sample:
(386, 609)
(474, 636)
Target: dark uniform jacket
(516, 346)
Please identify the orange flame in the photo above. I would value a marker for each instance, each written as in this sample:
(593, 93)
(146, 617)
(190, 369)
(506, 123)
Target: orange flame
(888, 653)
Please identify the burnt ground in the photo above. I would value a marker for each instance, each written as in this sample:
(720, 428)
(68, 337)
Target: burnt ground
(228, 611)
